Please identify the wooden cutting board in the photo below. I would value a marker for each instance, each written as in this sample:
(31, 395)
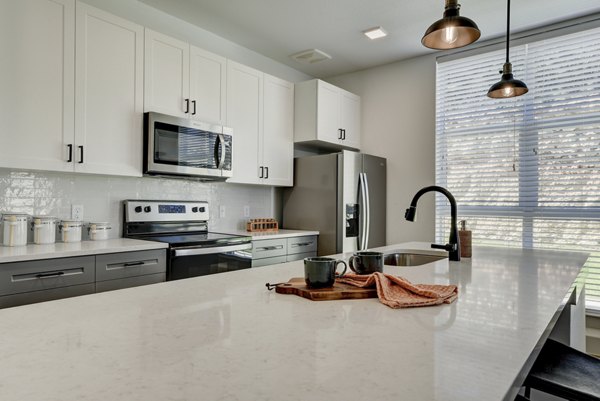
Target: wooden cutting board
(297, 286)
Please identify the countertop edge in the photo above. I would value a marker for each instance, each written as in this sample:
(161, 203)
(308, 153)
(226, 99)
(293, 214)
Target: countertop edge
(33, 252)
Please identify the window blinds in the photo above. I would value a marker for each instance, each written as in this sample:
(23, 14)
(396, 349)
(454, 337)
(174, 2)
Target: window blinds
(525, 171)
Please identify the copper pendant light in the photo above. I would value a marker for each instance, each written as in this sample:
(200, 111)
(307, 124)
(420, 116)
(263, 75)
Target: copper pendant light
(508, 86)
(452, 31)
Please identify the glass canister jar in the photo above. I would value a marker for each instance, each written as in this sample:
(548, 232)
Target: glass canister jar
(98, 231)
(44, 229)
(70, 230)
(15, 229)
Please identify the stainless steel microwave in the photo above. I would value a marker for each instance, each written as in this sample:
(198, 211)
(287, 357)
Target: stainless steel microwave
(182, 147)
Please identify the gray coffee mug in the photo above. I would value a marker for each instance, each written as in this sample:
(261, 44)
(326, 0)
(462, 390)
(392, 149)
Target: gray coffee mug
(366, 262)
(321, 272)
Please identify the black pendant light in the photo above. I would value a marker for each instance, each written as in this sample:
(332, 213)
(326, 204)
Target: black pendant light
(452, 31)
(508, 86)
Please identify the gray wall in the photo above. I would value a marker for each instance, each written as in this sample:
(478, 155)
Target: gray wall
(398, 123)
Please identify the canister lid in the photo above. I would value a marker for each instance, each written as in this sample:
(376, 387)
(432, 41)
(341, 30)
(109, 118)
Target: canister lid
(75, 223)
(16, 216)
(45, 218)
(103, 225)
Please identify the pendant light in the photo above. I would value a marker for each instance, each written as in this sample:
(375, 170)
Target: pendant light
(508, 86)
(452, 31)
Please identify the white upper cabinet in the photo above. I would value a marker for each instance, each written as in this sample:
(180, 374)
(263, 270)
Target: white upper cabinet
(326, 116)
(278, 132)
(260, 109)
(350, 119)
(208, 86)
(183, 80)
(37, 83)
(167, 75)
(108, 94)
(245, 116)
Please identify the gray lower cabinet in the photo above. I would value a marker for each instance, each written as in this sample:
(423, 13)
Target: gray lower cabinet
(44, 280)
(29, 282)
(130, 269)
(281, 250)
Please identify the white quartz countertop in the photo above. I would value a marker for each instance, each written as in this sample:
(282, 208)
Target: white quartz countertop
(70, 249)
(281, 233)
(225, 337)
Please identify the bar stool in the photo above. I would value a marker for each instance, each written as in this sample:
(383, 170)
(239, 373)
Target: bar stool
(565, 372)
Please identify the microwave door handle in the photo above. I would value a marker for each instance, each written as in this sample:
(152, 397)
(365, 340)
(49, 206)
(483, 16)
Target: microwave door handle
(223, 151)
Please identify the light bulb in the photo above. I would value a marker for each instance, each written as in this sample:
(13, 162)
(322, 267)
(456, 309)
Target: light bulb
(508, 91)
(450, 35)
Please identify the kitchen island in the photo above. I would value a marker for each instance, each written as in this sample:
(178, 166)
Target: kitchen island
(225, 337)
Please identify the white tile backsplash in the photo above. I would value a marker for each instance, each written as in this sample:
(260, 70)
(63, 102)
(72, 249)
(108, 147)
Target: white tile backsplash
(50, 193)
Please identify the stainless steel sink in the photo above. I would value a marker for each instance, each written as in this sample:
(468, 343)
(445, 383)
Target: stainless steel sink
(409, 259)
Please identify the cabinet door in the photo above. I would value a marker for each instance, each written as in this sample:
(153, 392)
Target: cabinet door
(245, 116)
(37, 38)
(350, 118)
(278, 132)
(328, 113)
(167, 73)
(108, 86)
(208, 86)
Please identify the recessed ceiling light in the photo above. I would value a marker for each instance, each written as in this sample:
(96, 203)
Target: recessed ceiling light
(375, 33)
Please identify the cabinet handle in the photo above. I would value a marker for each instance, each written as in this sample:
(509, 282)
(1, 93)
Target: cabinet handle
(80, 154)
(267, 170)
(194, 104)
(133, 264)
(302, 244)
(70, 158)
(187, 106)
(340, 135)
(50, 275)
(262, 172)
(344, 134)
(269, 248)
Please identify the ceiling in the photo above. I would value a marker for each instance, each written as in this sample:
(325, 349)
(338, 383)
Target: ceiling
(279, 28)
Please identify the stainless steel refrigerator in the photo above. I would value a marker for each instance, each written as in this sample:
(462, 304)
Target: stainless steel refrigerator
(343, 196)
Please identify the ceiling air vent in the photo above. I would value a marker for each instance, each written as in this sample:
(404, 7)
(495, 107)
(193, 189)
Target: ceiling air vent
(311, 56)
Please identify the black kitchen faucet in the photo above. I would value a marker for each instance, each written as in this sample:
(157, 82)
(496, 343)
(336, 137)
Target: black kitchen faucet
(453, 245)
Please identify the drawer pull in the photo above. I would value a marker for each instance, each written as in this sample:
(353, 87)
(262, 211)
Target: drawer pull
(50, 275)
(303, 244)
(269, 248)
(128, 264)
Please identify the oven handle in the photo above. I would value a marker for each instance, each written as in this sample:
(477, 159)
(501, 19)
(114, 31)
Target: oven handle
(208, 251)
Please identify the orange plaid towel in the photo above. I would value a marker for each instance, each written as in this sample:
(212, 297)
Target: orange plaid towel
(397, 292)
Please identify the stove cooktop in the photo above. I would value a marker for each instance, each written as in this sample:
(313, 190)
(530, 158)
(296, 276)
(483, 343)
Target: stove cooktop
(207, 239)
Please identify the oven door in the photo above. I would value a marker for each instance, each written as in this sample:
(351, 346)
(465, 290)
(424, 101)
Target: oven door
(192, 262)
(182, 147)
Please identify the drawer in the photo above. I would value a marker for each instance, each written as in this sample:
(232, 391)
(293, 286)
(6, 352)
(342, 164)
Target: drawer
(114, 266)
(268, 261)
(45, 295)
(302, 244)
(45, 274)
(300, 256)
(128, 282)
(269, 248)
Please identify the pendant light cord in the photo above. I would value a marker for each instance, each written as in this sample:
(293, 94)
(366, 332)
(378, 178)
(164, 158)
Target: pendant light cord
(507, 29)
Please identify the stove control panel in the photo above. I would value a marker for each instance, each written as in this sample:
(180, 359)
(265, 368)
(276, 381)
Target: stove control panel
(157, 211)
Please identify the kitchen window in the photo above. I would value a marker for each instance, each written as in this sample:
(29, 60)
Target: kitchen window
(525, 171)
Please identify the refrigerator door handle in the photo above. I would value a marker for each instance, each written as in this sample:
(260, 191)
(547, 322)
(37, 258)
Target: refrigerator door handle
(363, 212)
(367, 210)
